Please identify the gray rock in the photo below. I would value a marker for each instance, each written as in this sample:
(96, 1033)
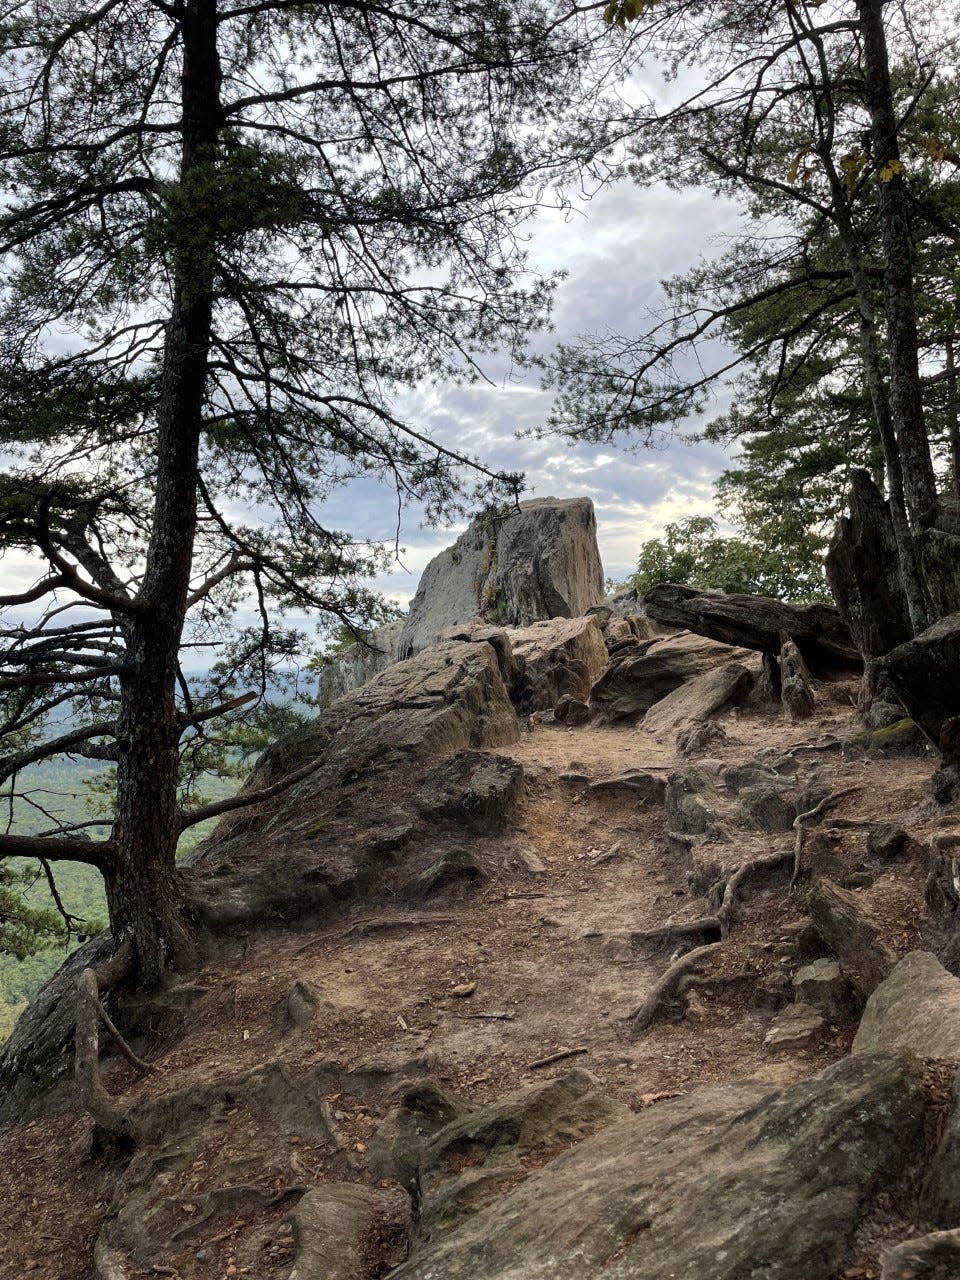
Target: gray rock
(300, 1006)
(743, 1182)
(472, 789)
(796, 693)
(931, 1257)
(572, 712)
(855, 939)
(737, 777)
(923, 675)
(888, 842)
(557, 658)
(314, 846)
(336, 1226)
(37, 1054)
(698, 699)
(686, 812)
(511, 568)
(916, 1008)
(699, 738)
(757, 622)
(352, 667)
(768, 806)
(638, 677)
(797, 1027)
(822, 986)
(648, 788)
(455, 868)
(396, 1149)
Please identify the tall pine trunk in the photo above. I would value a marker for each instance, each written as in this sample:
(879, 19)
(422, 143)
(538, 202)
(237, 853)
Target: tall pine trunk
(906, 402)
(143, 892)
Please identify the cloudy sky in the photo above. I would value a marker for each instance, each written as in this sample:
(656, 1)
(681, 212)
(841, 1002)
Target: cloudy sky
(615, 249)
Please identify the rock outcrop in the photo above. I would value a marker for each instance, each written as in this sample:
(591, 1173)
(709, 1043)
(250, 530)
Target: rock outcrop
(698, 699)
(643, 674)
(373, 743)
(923, 675)
(563, 657)
(359, 662)
(513, 568)
(917, 1008)
(756, 622)
(744, 1182)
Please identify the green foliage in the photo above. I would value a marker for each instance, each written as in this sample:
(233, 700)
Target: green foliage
(693, 553)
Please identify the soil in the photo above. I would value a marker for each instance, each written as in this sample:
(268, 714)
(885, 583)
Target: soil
(477, 987)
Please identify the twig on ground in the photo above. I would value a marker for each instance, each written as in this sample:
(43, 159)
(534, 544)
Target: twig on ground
(559, 1056)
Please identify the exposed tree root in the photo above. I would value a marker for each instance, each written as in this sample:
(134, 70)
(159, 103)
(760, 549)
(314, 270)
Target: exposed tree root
(705, 927)
(725, 912)
(713, 981)
(644, 1014)
(799, 826)
(110, 1113)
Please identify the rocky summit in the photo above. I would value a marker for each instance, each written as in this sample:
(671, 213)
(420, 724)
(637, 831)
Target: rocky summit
(587, 941)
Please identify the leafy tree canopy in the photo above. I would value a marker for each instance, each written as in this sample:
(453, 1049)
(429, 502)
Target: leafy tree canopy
(694, 553)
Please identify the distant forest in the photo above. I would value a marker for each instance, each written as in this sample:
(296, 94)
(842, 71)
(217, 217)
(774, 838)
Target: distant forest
(67, 790)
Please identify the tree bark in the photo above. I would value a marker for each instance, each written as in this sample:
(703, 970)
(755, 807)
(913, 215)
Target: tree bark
(906, 402)
(953, 412)
(143, 893)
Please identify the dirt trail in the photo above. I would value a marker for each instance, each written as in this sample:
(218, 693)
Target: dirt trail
(539, 943)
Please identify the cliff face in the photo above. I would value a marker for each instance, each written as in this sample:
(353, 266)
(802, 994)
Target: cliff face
(551, 967)
(536, 562)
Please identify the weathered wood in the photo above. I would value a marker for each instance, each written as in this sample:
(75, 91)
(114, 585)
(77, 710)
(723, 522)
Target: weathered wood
(795, 691)
(756, 622)
(862, 569)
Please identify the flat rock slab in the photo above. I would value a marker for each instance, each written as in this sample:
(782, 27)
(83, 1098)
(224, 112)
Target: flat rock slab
(797, 1027)
(698, 699)
(916, 1008)
(745, 1182)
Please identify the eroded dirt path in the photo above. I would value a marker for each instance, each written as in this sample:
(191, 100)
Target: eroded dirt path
(540, 953)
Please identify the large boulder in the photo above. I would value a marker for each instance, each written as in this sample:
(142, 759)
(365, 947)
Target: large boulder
(640, 676)
(916, 1008)
(557, 658)
(539, 560)
(757, 622)
(314, 845)
(852, 934)
(743, 1182)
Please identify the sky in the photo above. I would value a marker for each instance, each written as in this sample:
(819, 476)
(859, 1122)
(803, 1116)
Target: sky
(615, 249)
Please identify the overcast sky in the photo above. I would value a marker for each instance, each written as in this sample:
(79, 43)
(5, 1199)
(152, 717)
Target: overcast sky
(616, 249)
